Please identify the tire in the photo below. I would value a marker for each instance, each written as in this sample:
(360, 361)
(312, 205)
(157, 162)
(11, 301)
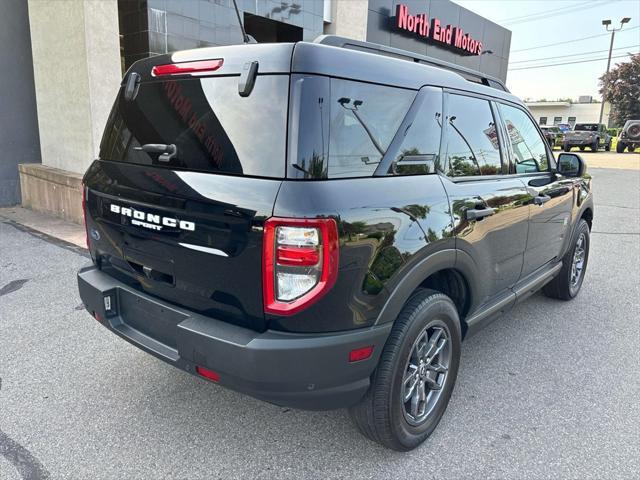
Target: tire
(564, 286)
(620, 147)
(631, 148)
(582, 149)
(594, 145)
(566, 148)
(383, 416)
(607, 147)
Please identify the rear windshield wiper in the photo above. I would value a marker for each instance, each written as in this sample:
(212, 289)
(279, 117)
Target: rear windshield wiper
(167, 152)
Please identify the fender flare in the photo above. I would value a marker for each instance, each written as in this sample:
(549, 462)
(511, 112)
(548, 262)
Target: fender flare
(444, 259)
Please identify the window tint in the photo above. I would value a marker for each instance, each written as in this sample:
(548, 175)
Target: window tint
(364, 119)
(529, 147)
(212, 128)
(471, 139)
(419, 151)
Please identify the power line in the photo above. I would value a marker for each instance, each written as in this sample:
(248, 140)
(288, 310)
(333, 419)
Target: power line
(569, 63)
(572, 55)
(542, 16)
(574, 40)
(518, 17)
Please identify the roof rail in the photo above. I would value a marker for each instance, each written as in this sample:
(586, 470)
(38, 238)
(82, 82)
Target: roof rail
(467, 73)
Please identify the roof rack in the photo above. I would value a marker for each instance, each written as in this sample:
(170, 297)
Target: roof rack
(467, 73)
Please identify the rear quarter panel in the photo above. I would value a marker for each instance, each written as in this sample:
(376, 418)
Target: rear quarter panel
(386, 225)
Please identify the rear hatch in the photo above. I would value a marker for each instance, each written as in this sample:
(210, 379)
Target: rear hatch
(187, 173)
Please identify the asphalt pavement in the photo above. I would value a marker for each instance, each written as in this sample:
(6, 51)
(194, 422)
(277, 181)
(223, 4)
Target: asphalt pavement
(550, 390)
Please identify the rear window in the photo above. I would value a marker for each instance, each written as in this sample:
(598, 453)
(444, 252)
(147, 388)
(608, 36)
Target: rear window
(588, 127)
(213, 128)
(342, 128)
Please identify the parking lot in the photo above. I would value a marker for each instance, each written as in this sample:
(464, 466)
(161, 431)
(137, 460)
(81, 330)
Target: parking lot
(548, 391)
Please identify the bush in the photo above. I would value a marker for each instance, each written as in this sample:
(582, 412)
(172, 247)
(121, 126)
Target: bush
(613, 132)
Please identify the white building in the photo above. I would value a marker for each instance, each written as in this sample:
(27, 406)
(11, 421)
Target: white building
(553, 113)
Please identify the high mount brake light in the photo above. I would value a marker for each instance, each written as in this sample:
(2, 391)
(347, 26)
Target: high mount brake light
(187, 68)
(300, 262)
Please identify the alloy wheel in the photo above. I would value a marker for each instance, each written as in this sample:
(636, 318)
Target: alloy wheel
(577, 266)
(426, 372)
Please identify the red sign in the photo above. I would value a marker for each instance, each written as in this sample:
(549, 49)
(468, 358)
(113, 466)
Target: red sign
(434, 30)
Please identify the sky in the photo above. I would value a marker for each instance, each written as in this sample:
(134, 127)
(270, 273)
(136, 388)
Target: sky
(543, 22)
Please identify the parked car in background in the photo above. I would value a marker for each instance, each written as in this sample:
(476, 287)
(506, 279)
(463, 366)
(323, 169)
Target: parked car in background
(583, 135)
(629, 136)
(553, 134)
(564, 127)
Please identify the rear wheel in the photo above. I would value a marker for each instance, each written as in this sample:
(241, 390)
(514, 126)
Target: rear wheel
(594, 145)
(567, 284)
(412, 384)
(582, 149)
(631, 148)
(566, 148)
(607, 147)
(620, 147)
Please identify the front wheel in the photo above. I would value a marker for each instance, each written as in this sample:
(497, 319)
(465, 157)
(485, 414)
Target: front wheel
(412, 384)
(566, 148)
(607, 147)
(620, 147)
(594, 145)
(582, 148)
(566, 285)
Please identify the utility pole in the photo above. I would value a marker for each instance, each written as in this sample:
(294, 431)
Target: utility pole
(613, 31)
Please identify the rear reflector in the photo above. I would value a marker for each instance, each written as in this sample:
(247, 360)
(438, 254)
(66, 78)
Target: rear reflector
(187, 68)
(209, 374)
(360, 353)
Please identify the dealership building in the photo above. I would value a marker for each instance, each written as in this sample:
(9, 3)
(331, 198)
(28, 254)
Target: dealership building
(68, 57)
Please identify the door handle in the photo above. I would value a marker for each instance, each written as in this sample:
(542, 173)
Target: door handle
(541, 199)
(479, 213)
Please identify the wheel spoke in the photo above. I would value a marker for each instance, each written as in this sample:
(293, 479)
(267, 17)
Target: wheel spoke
(420, 346)
(436, 367)
(415, 403)
(410, 381)
(432, 384)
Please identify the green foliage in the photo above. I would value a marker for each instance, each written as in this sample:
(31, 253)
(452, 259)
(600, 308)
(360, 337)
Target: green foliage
(621, 87)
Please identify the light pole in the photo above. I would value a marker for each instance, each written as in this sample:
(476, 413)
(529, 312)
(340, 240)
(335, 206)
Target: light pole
(613, 31)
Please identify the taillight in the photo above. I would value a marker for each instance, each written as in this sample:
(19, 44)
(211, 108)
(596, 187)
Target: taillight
(84, 214)
(300, 262)
(187, 68)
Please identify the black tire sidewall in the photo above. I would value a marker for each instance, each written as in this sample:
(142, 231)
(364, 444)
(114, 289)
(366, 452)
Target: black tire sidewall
(442, 311)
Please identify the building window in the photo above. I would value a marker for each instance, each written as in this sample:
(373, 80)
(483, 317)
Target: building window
(572, 121)
(543, 120)
(557, 120)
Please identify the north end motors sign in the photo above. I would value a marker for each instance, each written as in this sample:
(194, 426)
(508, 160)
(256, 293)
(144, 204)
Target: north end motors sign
(433, 30)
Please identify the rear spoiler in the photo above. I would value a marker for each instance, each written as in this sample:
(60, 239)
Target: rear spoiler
(374, 48)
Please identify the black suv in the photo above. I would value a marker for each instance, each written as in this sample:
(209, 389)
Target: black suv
(319, 225)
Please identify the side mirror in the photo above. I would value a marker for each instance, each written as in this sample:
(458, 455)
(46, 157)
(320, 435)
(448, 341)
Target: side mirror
(571, 165)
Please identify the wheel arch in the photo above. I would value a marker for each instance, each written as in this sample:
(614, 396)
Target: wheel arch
(450, 271)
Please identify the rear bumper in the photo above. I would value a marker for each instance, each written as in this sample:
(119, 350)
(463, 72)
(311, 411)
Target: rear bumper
(309, 371)
(578, 143)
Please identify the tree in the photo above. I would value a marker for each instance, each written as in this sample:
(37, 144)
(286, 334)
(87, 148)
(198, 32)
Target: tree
(621, 88)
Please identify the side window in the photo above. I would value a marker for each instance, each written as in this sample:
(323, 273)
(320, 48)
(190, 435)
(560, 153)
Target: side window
(529, 147)
(543, 120)
(364, 119)
(419, 152)
(471, 140)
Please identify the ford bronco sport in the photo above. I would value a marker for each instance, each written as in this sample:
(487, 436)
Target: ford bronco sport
(319, 225)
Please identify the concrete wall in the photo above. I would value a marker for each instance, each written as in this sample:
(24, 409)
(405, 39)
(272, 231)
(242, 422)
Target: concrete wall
(18, 119)
(349, 19)
(493, 36)
(51, 190)
(76, 61)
